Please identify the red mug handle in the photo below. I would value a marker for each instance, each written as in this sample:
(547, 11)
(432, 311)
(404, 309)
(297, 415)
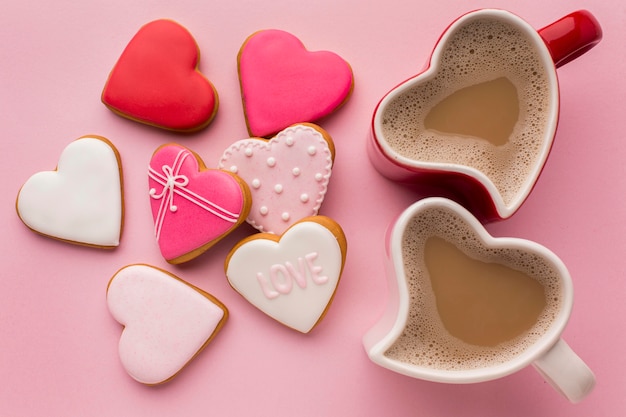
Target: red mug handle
(571, 36)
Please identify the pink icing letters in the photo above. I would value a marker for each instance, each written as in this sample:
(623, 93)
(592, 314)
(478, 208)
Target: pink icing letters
(282, 276)
(315, 269)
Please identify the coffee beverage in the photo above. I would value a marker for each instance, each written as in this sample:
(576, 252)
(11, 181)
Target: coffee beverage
(487, 110)
(485, 106)
(471, 305)
(481, 303)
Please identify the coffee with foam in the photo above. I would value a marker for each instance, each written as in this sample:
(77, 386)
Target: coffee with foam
(481, 52)
(425, 340)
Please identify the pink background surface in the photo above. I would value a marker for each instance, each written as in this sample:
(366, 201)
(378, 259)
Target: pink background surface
(58, 342)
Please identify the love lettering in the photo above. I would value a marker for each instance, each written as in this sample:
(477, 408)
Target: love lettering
(282, 276)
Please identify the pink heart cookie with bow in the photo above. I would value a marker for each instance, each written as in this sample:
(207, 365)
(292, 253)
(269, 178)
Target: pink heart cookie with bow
(167, 322)
(288, 175)
(283, 83)
(193, 207)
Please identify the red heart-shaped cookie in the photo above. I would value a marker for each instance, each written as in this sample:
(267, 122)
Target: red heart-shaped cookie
(282, 83)
(156, 80)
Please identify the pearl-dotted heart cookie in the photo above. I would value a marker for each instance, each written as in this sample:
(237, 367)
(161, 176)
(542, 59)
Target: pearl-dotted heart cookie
(167, 321)
(82, 200)
(193, 207)
(288, 176)
(156, 80)
(282, 83)
(291, 278)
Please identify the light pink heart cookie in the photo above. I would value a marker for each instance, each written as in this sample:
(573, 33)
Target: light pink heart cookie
(167, 321)
(193, 207)
(82, 200)
(282, 83)
(291, 278)
(288, 175)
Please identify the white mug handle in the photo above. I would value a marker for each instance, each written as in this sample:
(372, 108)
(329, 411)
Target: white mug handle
(566, 372)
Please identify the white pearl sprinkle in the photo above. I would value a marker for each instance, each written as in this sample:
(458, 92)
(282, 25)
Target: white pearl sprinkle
(318, 177)
(271, 161)
(311, 150)
(285, 216)
(278, 188)
(234, 169)
(264, 210)
(296, 171)
(256, 183)
(289, 141)
(304, 198)
(248, 152)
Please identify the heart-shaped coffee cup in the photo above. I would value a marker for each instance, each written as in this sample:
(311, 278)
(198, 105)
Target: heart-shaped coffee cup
(447, 275)
(477, 125)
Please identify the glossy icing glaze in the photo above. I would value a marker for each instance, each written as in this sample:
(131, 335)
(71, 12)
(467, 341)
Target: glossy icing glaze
(288, 176)
(82, 200)
(193, 207)
(167, 322)
(291, 278)
(156, 80)
(282, 83)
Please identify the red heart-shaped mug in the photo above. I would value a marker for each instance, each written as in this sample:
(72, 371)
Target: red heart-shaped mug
(477, 124)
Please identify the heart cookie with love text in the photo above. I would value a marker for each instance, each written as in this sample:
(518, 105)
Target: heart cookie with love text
(82, 200)
(288, 175)
(291, 278)
(156, 80)
(167, 321)
(193, 207)
(283, 83)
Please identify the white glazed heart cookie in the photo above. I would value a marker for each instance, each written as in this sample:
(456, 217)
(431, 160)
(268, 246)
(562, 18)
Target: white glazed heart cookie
(291, 278)
(167, 321)
(288, 175)
(82, 200)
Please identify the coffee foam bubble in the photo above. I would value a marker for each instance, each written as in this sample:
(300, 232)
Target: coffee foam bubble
(480, 51)
(425, 342)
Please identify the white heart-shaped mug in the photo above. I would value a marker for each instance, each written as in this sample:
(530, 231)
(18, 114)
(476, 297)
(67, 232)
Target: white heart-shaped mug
(476, 49)
(412, 336)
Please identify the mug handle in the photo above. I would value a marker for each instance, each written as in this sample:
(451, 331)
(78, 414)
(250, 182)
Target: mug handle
(566, 372)
(571, 36)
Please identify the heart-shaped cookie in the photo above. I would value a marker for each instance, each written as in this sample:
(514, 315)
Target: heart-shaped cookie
(82, 200)
(282, 83)
(167, 321)
(156, 80)
(193, 207)
(288, 175)
(291, 278)
(465, 306)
